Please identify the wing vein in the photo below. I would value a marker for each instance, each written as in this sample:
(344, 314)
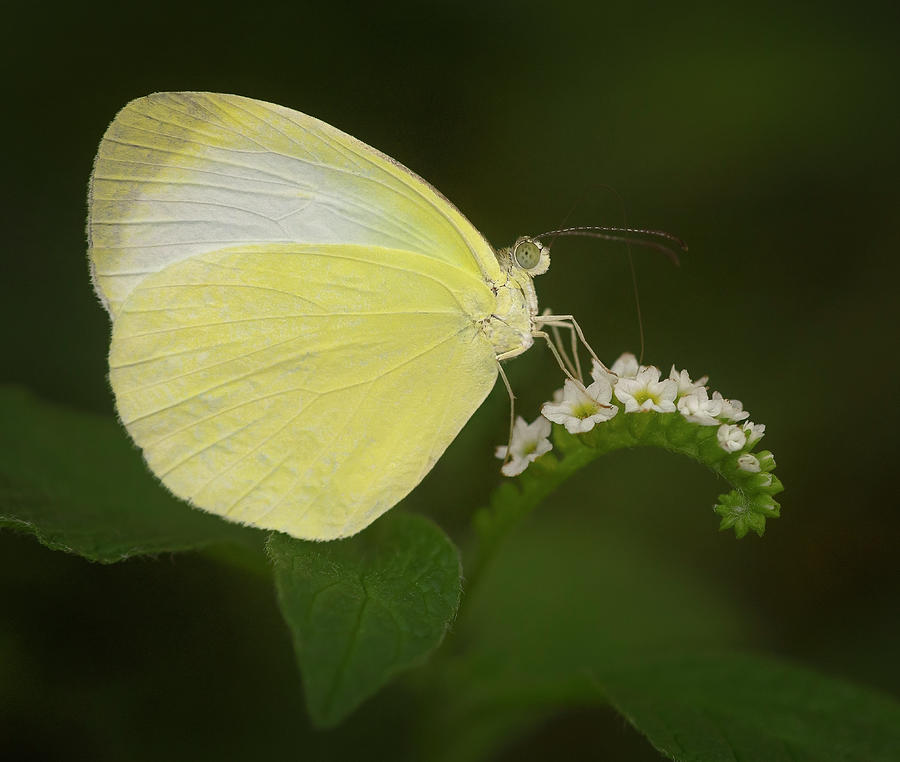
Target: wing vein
(321, 452)
(198, 170)
(378, 380)
(187, 183)
(193, 129)
(276, 365)
(230, 207)
(191, 456)
(216, 160)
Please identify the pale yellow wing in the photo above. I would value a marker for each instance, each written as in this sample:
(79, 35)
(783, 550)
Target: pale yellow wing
(303, 388)
(181, 174)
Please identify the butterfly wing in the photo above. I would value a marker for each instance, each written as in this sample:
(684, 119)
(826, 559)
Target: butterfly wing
(181, 174)
(303, 388)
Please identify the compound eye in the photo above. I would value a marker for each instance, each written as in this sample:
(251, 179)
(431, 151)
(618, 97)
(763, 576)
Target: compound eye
(527, 255)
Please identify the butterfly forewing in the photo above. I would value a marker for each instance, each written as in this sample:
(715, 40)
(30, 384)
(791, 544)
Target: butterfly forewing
(180, 174)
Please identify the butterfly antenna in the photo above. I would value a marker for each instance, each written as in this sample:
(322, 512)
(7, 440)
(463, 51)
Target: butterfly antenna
(610, 233)
(606, 233)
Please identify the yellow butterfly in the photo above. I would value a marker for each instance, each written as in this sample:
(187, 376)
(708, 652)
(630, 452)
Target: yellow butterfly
(300, 325)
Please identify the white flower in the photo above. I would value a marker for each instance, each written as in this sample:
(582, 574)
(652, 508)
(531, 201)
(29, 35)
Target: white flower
(732, 410)
(754, 432)
(626, 366)
(748, 462)
(600, 373)
(529, 442)
(731, 438)
(646, 392)
(697, 407)
(579, 412)
(685, 385)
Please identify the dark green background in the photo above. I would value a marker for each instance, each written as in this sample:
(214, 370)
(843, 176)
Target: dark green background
(766, 137)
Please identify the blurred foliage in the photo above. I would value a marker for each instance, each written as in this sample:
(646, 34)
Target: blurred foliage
(76, 482)
(728, 706)
(763, 135)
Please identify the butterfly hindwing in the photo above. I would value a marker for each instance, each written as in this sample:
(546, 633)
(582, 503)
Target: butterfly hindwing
(300, 388)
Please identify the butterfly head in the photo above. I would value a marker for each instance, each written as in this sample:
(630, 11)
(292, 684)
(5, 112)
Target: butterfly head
(531, 255)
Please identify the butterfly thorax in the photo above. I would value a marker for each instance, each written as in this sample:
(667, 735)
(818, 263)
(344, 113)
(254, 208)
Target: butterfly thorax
(511, 325)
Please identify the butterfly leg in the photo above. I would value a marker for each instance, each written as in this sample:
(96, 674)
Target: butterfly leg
(568, 321)
(573, 362)
(546, 337)
(512, 413)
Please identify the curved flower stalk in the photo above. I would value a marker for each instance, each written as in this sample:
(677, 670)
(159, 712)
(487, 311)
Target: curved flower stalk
(631, 405)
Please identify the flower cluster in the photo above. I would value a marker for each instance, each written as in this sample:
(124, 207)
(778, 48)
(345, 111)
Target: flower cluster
(631, 405)
(628, 387)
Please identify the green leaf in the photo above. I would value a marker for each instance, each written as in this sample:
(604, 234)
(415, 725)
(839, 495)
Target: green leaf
(569, 593)
(363, 609)
(600, 616)
(740, 707)
(75, 482)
